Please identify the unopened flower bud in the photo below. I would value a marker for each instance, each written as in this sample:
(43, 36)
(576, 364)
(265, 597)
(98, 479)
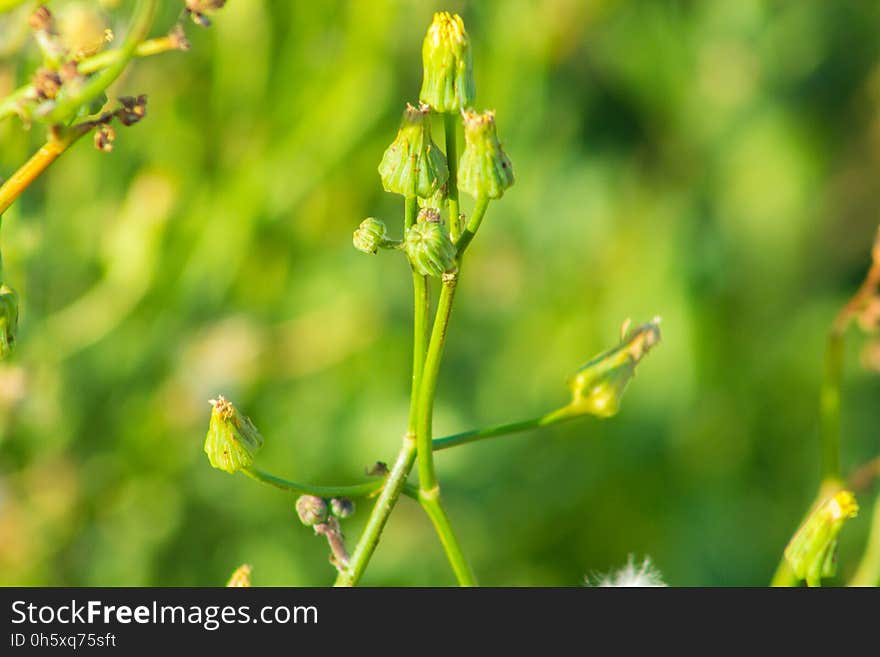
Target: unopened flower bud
(232, 438)
(341, 507)
(241, 577)
(105, 135)
(598, 386)
(484, 170)
(448, 82)
(200, 9)
(812, 551)
(429, 248)
(370, 235)
(311, 510)
(8, 319)
(413, 165)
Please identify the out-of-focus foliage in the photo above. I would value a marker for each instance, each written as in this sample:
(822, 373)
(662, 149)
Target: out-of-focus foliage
(713, 162)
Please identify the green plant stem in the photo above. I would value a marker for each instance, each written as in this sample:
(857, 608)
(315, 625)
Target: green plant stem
(474, 435)
(427, 477)
(450, 128)
(473, 226)
(829, 406)
(433, 506)
(868, 571)
(141, 22)
(357, 490)
(19, 181)
(368, 541)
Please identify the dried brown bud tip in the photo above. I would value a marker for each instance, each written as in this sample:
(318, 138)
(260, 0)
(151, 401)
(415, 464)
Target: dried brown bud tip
(178, 37)
(132, 110)
(41, 19)
(47, 83)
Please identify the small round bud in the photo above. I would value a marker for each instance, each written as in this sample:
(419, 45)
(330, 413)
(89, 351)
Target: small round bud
(447, 60)
(429, 248)
(232, 438)
(484, 170)
(413, 165)
(8, 319)
(598, 386)
(369, 236)
(105, 135)
(812, 551)
(341, 507)
(311, 510)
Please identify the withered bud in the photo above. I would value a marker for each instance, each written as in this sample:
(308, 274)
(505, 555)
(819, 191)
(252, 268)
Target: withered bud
(104, 138)
(178, 38)
(197, 10)
(41, 20)
(47, 83)
(132, 110)
(378, 469)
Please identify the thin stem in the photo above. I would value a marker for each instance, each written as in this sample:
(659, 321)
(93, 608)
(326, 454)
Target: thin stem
(368, 541)
(473, 226)
(420, 323)
(433, 506)
(474, 435)
(829, 406)
(427, 477)
(449, 126)
(868, 571)
(95, 86)
(358, 490)
(19, 181)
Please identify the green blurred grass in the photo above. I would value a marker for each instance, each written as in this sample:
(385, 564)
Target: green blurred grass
(712, 162)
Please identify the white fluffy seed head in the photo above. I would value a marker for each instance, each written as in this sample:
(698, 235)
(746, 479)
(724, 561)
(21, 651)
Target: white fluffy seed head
(643, 574)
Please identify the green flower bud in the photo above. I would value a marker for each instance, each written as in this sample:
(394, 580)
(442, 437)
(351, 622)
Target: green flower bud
(597, 387)
(448, 83)
(311, 510)
(812, 551)
(484, 170)
(429, 248)
(241, 578)
(370, 236)
(341, 507)
(413, 165)
(8, 319)
(232, 438)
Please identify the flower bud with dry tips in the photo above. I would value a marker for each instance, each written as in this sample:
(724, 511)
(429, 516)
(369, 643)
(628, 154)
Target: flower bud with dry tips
(413, 165)
(370, 236)
(812, 551)
(232, 439)
(429, 248)
(448, 67)
(484, 170)
(598, 386)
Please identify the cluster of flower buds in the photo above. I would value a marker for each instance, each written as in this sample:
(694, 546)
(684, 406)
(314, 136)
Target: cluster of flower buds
(414, 166)
(812, 551)
(428, 245)
(232, 439)
(324, 518)
(598, 386)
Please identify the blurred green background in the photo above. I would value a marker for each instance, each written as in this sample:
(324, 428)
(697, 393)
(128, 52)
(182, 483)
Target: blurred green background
(712, 162)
